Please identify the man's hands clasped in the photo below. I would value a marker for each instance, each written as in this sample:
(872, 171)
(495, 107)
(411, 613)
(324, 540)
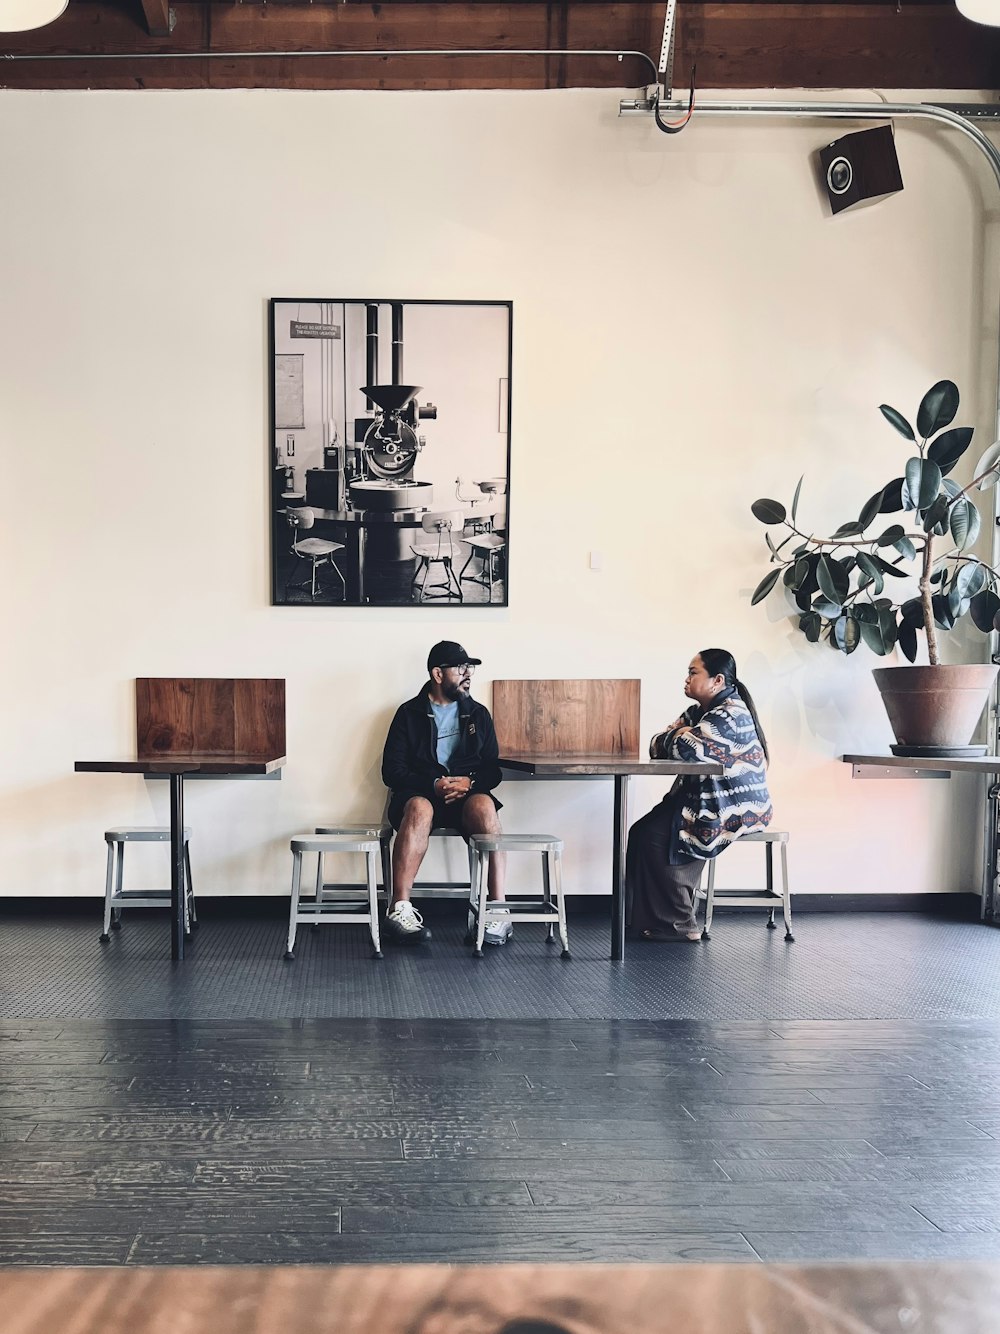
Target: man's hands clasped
(453, 787)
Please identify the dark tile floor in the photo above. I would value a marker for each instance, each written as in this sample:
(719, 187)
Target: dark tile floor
(841, 966)
(501, 1110)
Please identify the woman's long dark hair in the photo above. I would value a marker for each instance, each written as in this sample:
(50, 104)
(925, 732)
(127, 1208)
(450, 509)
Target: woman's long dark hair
(718, 662)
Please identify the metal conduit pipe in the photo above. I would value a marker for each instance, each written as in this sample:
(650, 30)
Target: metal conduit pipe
(837, 111)
(372, 51)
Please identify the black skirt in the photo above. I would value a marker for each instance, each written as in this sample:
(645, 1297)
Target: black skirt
(660, 896)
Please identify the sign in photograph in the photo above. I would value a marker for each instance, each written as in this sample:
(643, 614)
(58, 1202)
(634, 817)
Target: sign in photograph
(303, 329)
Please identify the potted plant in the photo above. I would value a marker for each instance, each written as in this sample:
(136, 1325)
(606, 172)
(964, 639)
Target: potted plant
(843, 585)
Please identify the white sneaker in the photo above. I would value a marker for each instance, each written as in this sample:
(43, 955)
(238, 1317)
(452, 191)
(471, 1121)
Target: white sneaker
(405, 924)
(499, 927)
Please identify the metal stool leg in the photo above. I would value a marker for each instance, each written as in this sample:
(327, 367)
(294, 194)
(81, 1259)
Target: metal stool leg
(294, 906)
(108, 883)
(482, 888)
(709, 902)
(343, 581)
(451, 575)
(372, 864)
(386, 870)
(769, 863)
(116, 919)
(423, 566)
(547, 891)
(786, 898)
(473, 914)
(319, 886)
(560, 904)
(192, 908)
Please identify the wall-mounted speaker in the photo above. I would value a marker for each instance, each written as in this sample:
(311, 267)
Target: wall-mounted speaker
(861, 168)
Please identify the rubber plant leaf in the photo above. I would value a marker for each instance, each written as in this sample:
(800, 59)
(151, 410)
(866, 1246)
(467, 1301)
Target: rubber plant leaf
(832, 580)
(970, 580)
(983, 609)
(866, 563)
(871, 633)
(810, 624)
(923, 481)
(965, 523)
(892, 497)
(907, 640)
(871, 509)
(905, 547)
(891, 535)
(764, 587)
(898, 420)
(768, 511)
(937, 407)
(795, 498)
(948, 448)
(847, 633)
(989, 463)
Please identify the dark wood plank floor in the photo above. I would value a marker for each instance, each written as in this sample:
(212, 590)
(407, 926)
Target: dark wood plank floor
(262, 1141)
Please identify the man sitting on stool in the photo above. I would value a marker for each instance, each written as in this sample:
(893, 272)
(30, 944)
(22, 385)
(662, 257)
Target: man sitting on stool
(441, 763)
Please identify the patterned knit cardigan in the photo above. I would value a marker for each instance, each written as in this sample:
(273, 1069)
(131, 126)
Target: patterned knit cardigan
(717, 808)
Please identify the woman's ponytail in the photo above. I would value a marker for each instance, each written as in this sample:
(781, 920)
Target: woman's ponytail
(719, 662)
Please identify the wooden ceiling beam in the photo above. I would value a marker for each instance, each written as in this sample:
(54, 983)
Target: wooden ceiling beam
(734, 43)
(157, 16)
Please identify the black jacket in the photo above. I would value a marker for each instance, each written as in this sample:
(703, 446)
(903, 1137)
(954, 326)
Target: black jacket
(410, 763)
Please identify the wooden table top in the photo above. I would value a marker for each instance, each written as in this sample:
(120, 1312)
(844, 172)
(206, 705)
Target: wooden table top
(185, 764)
(505, 1299)
(547, 763)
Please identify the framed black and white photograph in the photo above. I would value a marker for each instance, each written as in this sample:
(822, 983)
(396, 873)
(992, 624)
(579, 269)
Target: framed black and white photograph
(390, 452)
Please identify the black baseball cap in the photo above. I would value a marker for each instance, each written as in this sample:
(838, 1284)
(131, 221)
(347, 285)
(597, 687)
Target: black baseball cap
(446, 653)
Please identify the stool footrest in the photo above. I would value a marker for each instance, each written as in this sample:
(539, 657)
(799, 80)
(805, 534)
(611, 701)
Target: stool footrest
(340, 912)
(748, 901)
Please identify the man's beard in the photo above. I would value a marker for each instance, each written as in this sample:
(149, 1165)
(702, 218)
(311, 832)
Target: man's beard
(453, 690)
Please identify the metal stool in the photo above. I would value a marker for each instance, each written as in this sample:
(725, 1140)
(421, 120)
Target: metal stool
(487, 548)
(550, 908)
(116, 898)
(337, 905)
(380, 829)
(753, 898)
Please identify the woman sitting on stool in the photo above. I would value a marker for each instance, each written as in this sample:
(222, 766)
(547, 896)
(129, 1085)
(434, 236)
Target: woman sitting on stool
(700, 815)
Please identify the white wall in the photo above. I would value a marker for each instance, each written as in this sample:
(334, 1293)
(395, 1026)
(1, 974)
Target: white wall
(691, 330)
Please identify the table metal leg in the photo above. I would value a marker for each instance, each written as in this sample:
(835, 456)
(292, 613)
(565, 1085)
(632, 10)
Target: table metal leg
(177, 866)
(618, 867)
(362, 552)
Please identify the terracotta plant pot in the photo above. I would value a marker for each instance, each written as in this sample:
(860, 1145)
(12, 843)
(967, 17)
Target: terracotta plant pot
(934, 710)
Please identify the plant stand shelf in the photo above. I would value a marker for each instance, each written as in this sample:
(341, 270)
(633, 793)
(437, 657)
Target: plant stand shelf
(899, 766)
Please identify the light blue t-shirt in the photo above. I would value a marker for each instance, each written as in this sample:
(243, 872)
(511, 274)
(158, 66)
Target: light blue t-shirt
(446, 719)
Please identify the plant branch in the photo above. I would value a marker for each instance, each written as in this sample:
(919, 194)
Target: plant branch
(926, 603)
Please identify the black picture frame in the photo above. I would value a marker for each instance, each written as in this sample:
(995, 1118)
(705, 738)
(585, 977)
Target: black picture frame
(399, 496)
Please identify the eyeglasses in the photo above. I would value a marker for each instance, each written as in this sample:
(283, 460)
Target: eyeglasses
(463, 668)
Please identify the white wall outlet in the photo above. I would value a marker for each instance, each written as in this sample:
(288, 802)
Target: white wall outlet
(597, 560)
